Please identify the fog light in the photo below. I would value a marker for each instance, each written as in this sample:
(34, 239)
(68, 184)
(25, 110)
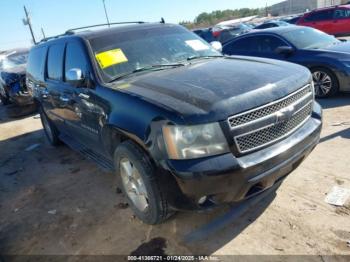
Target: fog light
(202, 200)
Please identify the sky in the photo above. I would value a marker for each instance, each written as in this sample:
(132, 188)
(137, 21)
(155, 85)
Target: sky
(57, 16)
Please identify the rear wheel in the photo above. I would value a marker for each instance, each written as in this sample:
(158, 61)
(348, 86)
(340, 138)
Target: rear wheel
(136, 176)
(50, 130)
(326, 83)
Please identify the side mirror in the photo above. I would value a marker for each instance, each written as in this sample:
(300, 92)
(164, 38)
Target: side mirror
(216, 45)
(75, 77)
(284, 50)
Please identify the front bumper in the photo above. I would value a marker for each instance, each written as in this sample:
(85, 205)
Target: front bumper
(225, 178)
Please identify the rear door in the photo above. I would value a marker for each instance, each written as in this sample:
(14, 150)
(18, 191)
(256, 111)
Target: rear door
(342, 21)
(54, 77)
(321, 20)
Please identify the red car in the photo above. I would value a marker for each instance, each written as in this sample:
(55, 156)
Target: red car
(333, 20)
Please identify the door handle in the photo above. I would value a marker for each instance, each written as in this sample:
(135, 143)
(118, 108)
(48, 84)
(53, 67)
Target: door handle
(64, 99)
(84, 96)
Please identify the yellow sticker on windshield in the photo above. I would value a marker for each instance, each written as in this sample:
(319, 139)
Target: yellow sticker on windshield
(111, 57)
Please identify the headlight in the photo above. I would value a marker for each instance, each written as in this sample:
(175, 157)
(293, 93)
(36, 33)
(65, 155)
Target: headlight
(188, 142)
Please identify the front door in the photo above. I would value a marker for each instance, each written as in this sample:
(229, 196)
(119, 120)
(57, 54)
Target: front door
(80, 113)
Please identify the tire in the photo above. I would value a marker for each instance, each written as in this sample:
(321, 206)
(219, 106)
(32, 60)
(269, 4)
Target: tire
(326, 83)
(50, 130)
(145, 198)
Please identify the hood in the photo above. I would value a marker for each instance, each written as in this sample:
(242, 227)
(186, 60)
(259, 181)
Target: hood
(213, 89)
(343, 47)
(336, 53)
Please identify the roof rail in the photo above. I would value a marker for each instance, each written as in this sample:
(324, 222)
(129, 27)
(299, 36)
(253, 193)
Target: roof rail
(71, 31)
(52, 37)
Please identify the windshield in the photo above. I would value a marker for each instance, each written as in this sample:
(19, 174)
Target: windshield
(122, 52)
(13, 60)
(308, 38)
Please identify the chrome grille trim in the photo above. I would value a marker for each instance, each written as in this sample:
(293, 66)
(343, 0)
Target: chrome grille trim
(270, 108)
(262, 126)
(307, 109)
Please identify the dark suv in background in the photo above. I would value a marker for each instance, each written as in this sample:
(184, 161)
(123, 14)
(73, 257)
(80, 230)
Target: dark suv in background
(183, 127)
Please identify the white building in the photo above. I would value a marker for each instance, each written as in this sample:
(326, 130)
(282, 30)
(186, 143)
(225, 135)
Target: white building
(301, 6)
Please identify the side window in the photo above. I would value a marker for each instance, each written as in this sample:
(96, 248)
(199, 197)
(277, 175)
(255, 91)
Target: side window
(342, 14)
(35, 64)
(268, 44)
(75, 57)
(241, 45)
(320, 16)
(55, 62)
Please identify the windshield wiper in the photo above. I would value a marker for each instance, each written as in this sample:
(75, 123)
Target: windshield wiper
(202, 57)
(147, 68)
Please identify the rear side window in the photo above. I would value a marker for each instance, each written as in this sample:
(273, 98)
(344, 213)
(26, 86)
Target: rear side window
(35, 64)
(342, 13)
(75, 57)
(55, 62)
(320, 16)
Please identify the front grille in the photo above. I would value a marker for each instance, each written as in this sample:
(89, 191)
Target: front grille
(268, 109)
(262, 126)
(267, 135)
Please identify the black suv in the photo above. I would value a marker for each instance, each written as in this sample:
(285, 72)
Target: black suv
(183, 127)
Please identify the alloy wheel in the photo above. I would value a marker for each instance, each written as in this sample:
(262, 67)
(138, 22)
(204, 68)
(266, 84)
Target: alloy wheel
(323, 83)
(133, 184)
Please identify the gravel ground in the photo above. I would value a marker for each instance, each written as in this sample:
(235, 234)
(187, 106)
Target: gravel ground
(53, 201)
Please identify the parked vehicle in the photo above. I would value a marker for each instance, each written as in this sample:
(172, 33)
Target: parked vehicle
(205, 33)
(13, 87)
(270, 24)
(183, 127)
(225, 33)
(292, 20)
(326, 57)
(334, 20)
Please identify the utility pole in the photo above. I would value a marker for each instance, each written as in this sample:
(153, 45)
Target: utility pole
(26, 21)
(104, 6)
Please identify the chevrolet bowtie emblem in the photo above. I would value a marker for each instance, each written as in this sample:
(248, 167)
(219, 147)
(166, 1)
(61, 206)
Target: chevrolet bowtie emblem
(284, 114)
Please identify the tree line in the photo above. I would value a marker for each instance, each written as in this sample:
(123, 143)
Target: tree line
(209, 19)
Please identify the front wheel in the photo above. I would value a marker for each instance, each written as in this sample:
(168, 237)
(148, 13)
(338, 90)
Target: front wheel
(326, 83)
(136, 176)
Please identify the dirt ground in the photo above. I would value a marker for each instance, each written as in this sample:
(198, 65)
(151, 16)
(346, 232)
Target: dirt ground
(53, 201)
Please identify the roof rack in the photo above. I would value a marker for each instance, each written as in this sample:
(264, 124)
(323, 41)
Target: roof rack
(51, 37)
(71, 31)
